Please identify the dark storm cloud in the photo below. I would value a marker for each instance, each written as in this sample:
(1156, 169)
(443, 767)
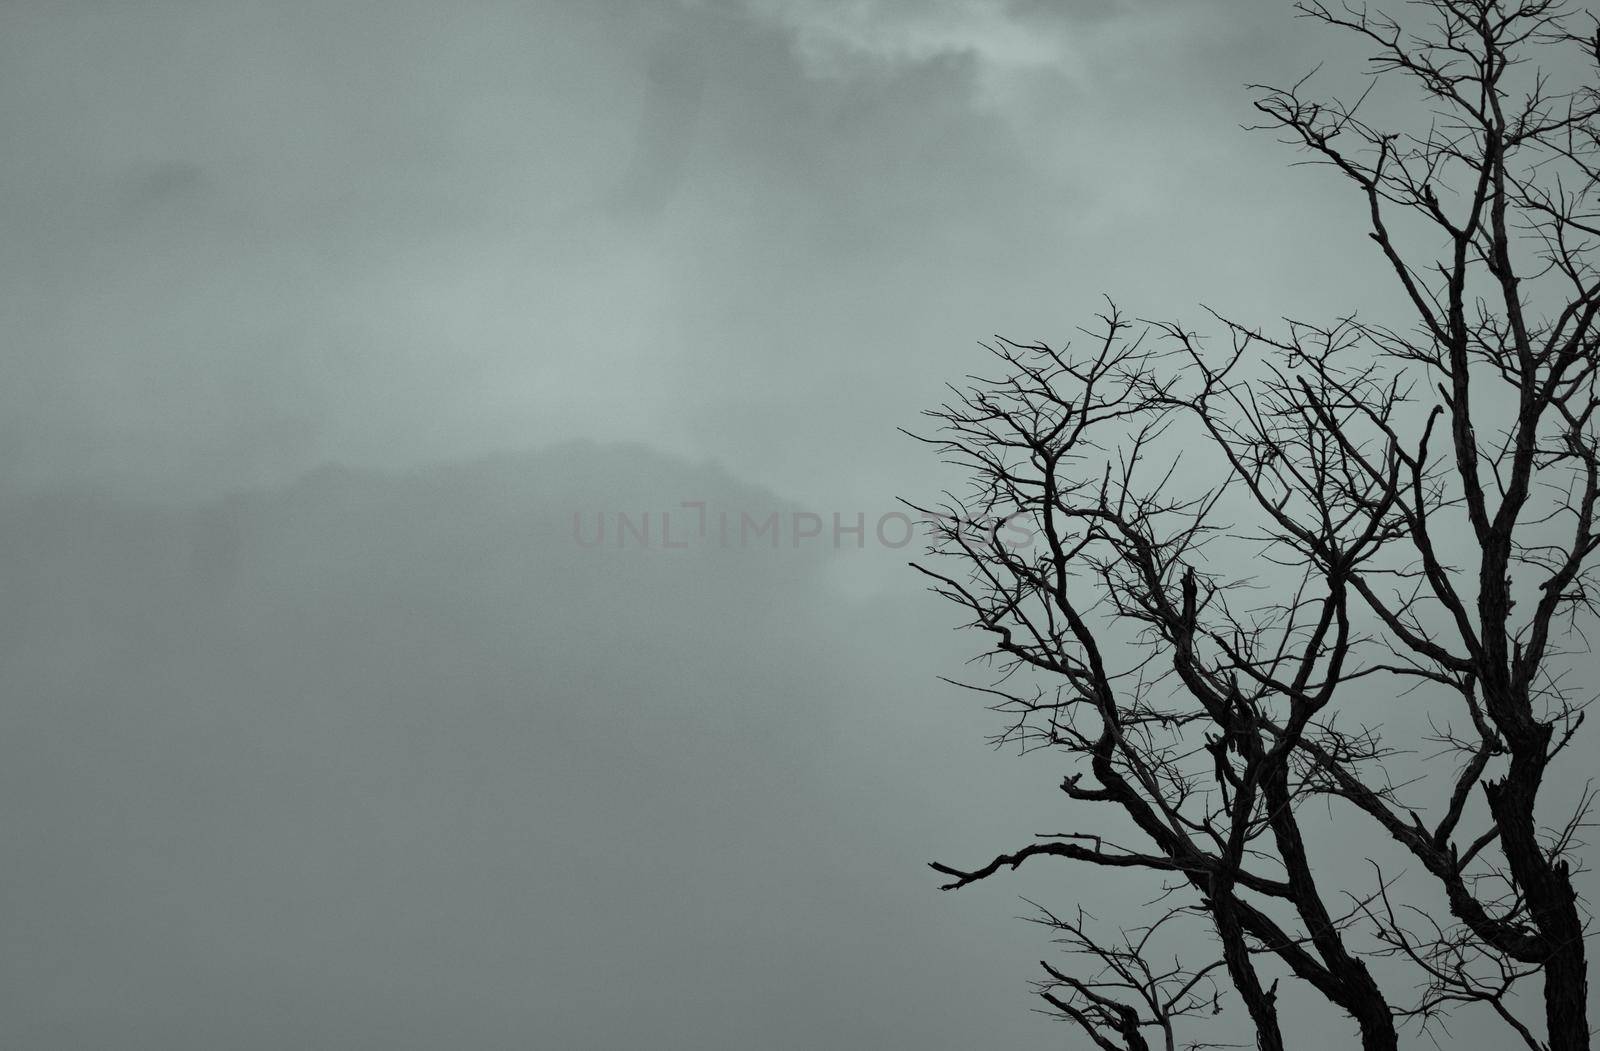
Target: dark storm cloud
(247, 238)
(675, 79)
(386, 762)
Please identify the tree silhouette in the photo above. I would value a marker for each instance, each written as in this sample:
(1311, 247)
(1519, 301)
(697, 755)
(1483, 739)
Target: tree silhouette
(1414, 506)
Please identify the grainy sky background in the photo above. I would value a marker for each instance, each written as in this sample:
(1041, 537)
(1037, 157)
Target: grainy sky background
(247, 239)
(321, 319)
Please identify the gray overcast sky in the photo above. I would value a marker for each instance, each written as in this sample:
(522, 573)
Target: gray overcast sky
(247, 238)
(316, 729)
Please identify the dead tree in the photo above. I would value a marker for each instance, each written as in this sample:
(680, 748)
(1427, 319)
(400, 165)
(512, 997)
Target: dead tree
(1202, 563)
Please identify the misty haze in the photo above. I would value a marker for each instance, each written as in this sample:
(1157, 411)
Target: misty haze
(460, 465)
